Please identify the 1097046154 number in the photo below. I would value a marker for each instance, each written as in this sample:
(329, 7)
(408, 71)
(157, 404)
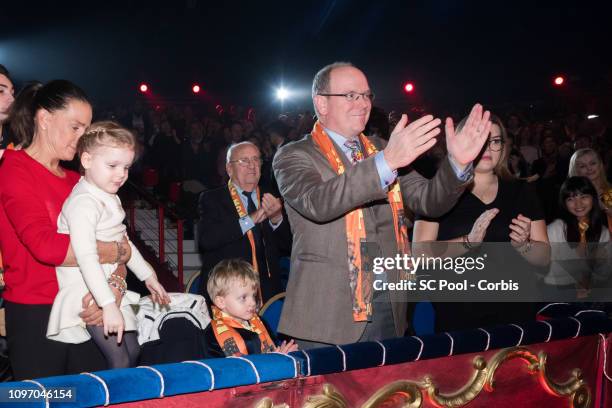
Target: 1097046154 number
(20, 394)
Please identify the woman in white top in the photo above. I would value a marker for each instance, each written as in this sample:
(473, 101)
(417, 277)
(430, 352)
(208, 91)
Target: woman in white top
(578, 258)
(93, 212)
(587, 163)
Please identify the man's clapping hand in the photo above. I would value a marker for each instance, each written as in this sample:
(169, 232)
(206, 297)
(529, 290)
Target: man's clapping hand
(270, 208)
(409, 141)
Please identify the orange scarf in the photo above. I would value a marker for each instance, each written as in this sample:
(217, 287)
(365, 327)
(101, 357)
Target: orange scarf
(582, 230)
(361, 281)
(224, 327)
(242, 213)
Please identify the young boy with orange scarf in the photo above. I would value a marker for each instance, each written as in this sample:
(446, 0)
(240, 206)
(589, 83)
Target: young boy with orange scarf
(235, 328)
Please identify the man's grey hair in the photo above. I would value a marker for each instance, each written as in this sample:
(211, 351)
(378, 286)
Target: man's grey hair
(320, 83)
(235, 146)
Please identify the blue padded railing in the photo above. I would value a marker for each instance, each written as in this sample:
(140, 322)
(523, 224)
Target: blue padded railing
(134, 384)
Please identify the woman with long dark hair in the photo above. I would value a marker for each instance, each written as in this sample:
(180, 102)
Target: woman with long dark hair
(587, 163)
(48, 120)
(578, 238)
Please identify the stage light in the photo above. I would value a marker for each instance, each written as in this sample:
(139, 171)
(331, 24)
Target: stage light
(559, 80)
(195, 88)
(143, 88)
(282, 93)
(409, 87)
(593, 116)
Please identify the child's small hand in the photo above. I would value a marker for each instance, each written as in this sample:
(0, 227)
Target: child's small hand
(158, 293)
(113, 321)
(287, 347)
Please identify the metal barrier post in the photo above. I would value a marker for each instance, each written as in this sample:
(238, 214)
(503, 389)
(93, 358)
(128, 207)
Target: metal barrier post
(162, 243)
(179, 250)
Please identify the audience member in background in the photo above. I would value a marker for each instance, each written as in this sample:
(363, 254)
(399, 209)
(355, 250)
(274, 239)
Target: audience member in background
(601, 137)
(378, 124)
(48, 119)
(428, 163)
(517, 165)
(582, 142)
(587, 163)
(267, 154)
(6, 100)
(242, 220)
(496, 207)
(237, 132)
(527, 147)
(209, 143)
(305, 123)
(166, 155)
(138, 120)
(577, 264)
(537, 133)
(194, 159)
(154, 133)
(570, 127)
(551, 172)
(277, 133)
(565, 152)
(515, 126)
(235, 328)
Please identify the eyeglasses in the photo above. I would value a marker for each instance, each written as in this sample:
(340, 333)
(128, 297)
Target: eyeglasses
(245, 162)
(496, 144)
(353, 96)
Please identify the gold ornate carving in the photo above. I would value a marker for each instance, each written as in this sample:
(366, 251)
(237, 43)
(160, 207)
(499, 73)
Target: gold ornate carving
(410, 393)
(574, 388)
(465, 394)
(331, 398)
(582, 397)
(268, 403)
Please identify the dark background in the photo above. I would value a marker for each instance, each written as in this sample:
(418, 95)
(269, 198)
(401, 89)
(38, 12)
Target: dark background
(456, 52)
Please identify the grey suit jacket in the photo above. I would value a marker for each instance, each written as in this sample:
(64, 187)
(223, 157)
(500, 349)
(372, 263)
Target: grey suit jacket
(318, 302)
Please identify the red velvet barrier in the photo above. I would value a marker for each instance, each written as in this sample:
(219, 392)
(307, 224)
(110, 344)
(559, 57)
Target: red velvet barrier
(514, 385)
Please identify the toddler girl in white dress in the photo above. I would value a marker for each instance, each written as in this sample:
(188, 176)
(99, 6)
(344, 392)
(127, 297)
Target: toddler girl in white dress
(93, 212)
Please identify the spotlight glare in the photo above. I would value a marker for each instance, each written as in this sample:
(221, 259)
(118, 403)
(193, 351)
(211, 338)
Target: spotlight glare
(559, 80)
(196, 88)
(593, 116)
(143, 88)
(282, 93)
(409, 87)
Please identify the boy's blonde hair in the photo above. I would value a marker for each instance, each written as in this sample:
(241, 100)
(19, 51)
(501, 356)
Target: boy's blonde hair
(229, 270)
(106, 133)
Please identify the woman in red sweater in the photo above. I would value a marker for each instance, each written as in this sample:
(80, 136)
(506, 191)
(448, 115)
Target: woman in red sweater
(48, 120)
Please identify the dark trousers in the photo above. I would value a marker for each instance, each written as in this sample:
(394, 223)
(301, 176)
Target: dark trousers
(32, 355)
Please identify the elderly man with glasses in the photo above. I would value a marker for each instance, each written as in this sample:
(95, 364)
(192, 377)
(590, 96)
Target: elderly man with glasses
(242, 221)
(345, 201)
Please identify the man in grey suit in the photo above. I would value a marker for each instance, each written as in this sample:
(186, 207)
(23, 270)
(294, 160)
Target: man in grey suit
(338, 189)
